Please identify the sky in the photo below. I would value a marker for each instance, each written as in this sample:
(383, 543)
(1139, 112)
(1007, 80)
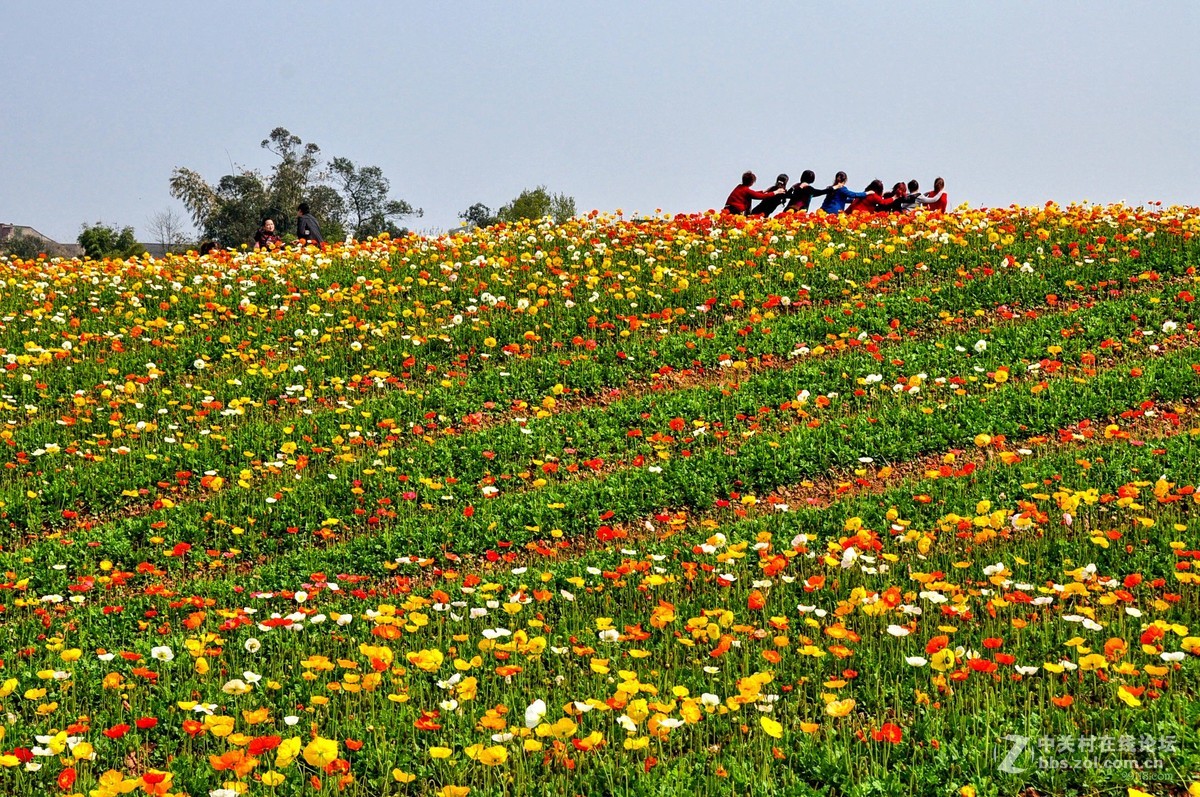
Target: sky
(632, 105)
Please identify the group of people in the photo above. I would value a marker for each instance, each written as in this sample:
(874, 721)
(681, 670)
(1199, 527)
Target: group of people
(307, 230)
(838, 198)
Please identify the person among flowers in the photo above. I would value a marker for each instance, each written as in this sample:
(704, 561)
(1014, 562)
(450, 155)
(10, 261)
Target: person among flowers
(876, 201)
(838, 196)
(738, 202)
(307, 229)
(769, 205)
(266, 237)
(934, 200)
(800, 195)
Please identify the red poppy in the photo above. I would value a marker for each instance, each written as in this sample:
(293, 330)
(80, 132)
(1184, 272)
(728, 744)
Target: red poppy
(117, 731)
(890, 733)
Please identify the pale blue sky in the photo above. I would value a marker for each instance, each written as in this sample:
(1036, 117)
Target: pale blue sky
(637, 105)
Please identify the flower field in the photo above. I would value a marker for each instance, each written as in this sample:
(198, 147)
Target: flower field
(693, 505)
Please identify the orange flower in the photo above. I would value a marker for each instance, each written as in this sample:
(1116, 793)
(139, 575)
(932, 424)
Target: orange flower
(890, 733)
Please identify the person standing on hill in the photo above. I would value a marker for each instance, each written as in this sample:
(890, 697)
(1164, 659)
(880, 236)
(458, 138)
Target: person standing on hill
(307, 229)
(935, 200)
(769, 205)
(739, 199)
(800, 196)
(838, 196)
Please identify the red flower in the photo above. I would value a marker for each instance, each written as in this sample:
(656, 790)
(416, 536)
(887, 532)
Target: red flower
(263, 744)
(145, 723)
(117, 731)
(890, 733)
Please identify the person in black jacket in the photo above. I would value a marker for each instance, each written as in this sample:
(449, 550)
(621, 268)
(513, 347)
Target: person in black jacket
(800, 195)
(769, 205)
(307, 229)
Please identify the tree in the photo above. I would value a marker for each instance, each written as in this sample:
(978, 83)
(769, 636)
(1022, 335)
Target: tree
(364, 190)
(538, 203)
(346, 196)
(25, 247)
(478, 215)
(101, 240)
(167, 230)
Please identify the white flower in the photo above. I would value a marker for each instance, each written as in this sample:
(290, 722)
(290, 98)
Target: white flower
(162, 653)
(980, 346)
(252, 645)
(897, 630)
(199, 364)
(301, 596)
(916, 661)
(535, 713)
(1169, 327)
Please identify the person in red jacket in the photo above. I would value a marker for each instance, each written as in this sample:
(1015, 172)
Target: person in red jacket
(935, 200)
(739, 198)
(876, 201)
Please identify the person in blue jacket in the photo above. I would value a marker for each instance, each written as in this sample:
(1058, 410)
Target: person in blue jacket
(839, 196)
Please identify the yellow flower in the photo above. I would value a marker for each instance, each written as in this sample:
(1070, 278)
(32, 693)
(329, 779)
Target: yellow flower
(400, 776)
(273, 778)
(773, 728)
(454, 791)
(320, 752)
(287, 752)
(1127, 697)
(219, 726)
(942, 660)
(492, 756)
(427, 660)
(256, 716)
(440, 752)
(840, 708)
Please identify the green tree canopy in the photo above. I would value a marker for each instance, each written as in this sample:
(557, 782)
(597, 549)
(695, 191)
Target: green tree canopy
(538, 203)
(478, 215)
(345, 197)
(101, 240)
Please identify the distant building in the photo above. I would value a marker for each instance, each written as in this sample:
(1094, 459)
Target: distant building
(56, 249)
(53, 247)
